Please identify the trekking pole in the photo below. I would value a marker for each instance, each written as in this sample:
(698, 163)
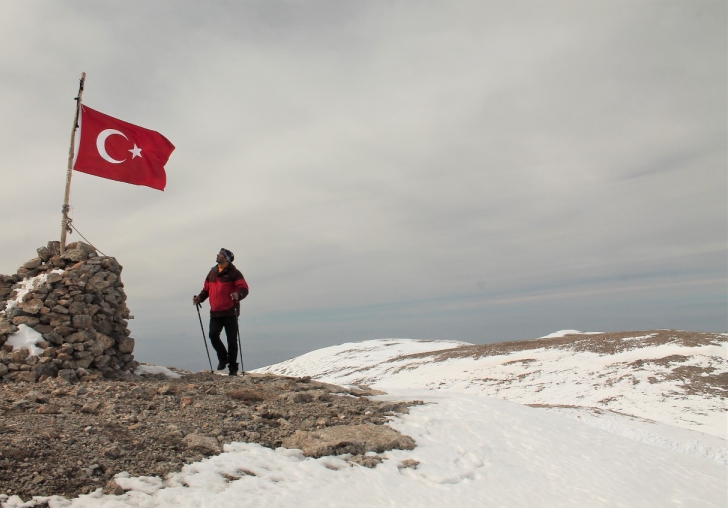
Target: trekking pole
(240, 347)
(203, 336)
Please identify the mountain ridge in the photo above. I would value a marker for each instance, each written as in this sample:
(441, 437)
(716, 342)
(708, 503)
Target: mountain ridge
(670, 376)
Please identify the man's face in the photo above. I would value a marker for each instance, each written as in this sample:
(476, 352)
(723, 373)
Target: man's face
(220, 258)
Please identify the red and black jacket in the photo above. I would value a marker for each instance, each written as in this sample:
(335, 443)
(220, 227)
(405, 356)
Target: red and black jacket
(219, 285)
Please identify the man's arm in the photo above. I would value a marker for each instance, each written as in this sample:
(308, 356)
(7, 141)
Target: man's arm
(196, 300)
(241, 287)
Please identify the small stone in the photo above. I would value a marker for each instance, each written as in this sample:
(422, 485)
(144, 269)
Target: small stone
(203, 444)
(54, 277)
(32, 264)
(114, 452)
(7, 328)
(91, 407)
(83, 322)
(44, 254)
(27, 376)
(32, 306)
(49, 409)
(408, 464)
(68, 375)
(167, 390)
(26, 320)
(126, 345)
(112, 488)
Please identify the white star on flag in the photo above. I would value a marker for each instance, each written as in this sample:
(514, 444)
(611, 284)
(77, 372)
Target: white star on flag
(136, 151)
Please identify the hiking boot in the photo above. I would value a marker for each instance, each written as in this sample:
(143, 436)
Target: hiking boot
(221, 365)
(233, 369)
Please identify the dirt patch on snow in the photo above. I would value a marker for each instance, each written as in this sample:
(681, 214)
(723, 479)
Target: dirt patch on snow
(602, 343)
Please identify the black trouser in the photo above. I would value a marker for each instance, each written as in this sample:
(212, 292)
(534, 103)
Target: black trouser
(230, 323)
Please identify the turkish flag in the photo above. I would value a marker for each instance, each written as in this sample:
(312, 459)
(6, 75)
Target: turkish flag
(117, 150)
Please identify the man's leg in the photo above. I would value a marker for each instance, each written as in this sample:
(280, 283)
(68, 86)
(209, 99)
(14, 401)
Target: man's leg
(216, 325)
(231, 333)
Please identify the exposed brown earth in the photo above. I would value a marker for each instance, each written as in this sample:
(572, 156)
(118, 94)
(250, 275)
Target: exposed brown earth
(67, 439)
(601, 343)
(696, 380)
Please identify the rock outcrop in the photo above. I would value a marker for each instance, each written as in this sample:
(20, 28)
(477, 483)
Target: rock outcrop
(76, 302)
(61, 439)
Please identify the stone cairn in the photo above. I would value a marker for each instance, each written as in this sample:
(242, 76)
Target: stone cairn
(76, 301)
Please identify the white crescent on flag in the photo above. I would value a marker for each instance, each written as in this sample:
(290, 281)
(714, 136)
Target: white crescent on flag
(101, 144)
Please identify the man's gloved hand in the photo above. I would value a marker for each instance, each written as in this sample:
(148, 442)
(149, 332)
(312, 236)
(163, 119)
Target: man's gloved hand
(234, 297)
(195, 300)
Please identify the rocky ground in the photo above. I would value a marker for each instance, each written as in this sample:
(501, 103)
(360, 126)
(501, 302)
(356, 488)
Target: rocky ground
(67, 439)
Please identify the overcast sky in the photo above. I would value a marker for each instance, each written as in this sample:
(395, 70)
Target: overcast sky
(479, 171)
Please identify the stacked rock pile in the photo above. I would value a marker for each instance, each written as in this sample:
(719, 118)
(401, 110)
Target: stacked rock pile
(76, 302)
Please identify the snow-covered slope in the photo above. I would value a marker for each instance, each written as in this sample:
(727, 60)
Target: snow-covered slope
(573, 449)
(678, 378)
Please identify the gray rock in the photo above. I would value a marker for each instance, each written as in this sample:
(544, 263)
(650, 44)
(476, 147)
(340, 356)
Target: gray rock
(28, 376)
(46, 369)
(91, 407)
(103, 326)
(13, 313)
(112, 488)
(54, 277)
(64, 331)
(95, 349)
(84, 363)
(408, 464)
(105, 341)
(80, 336)
(3, 369)
(19, 355)
(26, 320)
(32, 264)
(53, 337)
(77, 308)
(32, 306)
(43, 329)
(126, 345)
(101, 361)
(44, 254)
(75, 255)
(203, 444)
(113, 452)
(82, 322)
(68, 375)
(7, 328)
(354, 439)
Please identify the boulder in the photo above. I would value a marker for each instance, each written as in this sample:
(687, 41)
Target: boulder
(203, 444)
(354, 439)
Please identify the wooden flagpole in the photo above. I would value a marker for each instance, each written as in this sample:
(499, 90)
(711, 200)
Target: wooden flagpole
(64, 221)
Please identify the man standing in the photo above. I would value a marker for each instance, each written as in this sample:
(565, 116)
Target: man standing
(225, 286)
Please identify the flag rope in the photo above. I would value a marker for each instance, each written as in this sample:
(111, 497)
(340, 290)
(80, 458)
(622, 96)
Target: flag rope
(74, 228)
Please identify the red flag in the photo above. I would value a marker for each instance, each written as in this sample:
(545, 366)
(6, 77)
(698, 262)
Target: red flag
(121, 151)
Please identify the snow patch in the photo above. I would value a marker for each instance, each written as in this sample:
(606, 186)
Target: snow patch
(27, 338)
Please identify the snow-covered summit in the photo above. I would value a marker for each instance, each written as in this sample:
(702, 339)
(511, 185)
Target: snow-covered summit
(673, 377)
(596, 420)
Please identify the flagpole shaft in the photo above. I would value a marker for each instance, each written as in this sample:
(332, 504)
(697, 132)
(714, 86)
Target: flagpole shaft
(69, 171)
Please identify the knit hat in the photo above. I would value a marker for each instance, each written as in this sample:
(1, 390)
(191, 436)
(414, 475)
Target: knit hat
(229, 256)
